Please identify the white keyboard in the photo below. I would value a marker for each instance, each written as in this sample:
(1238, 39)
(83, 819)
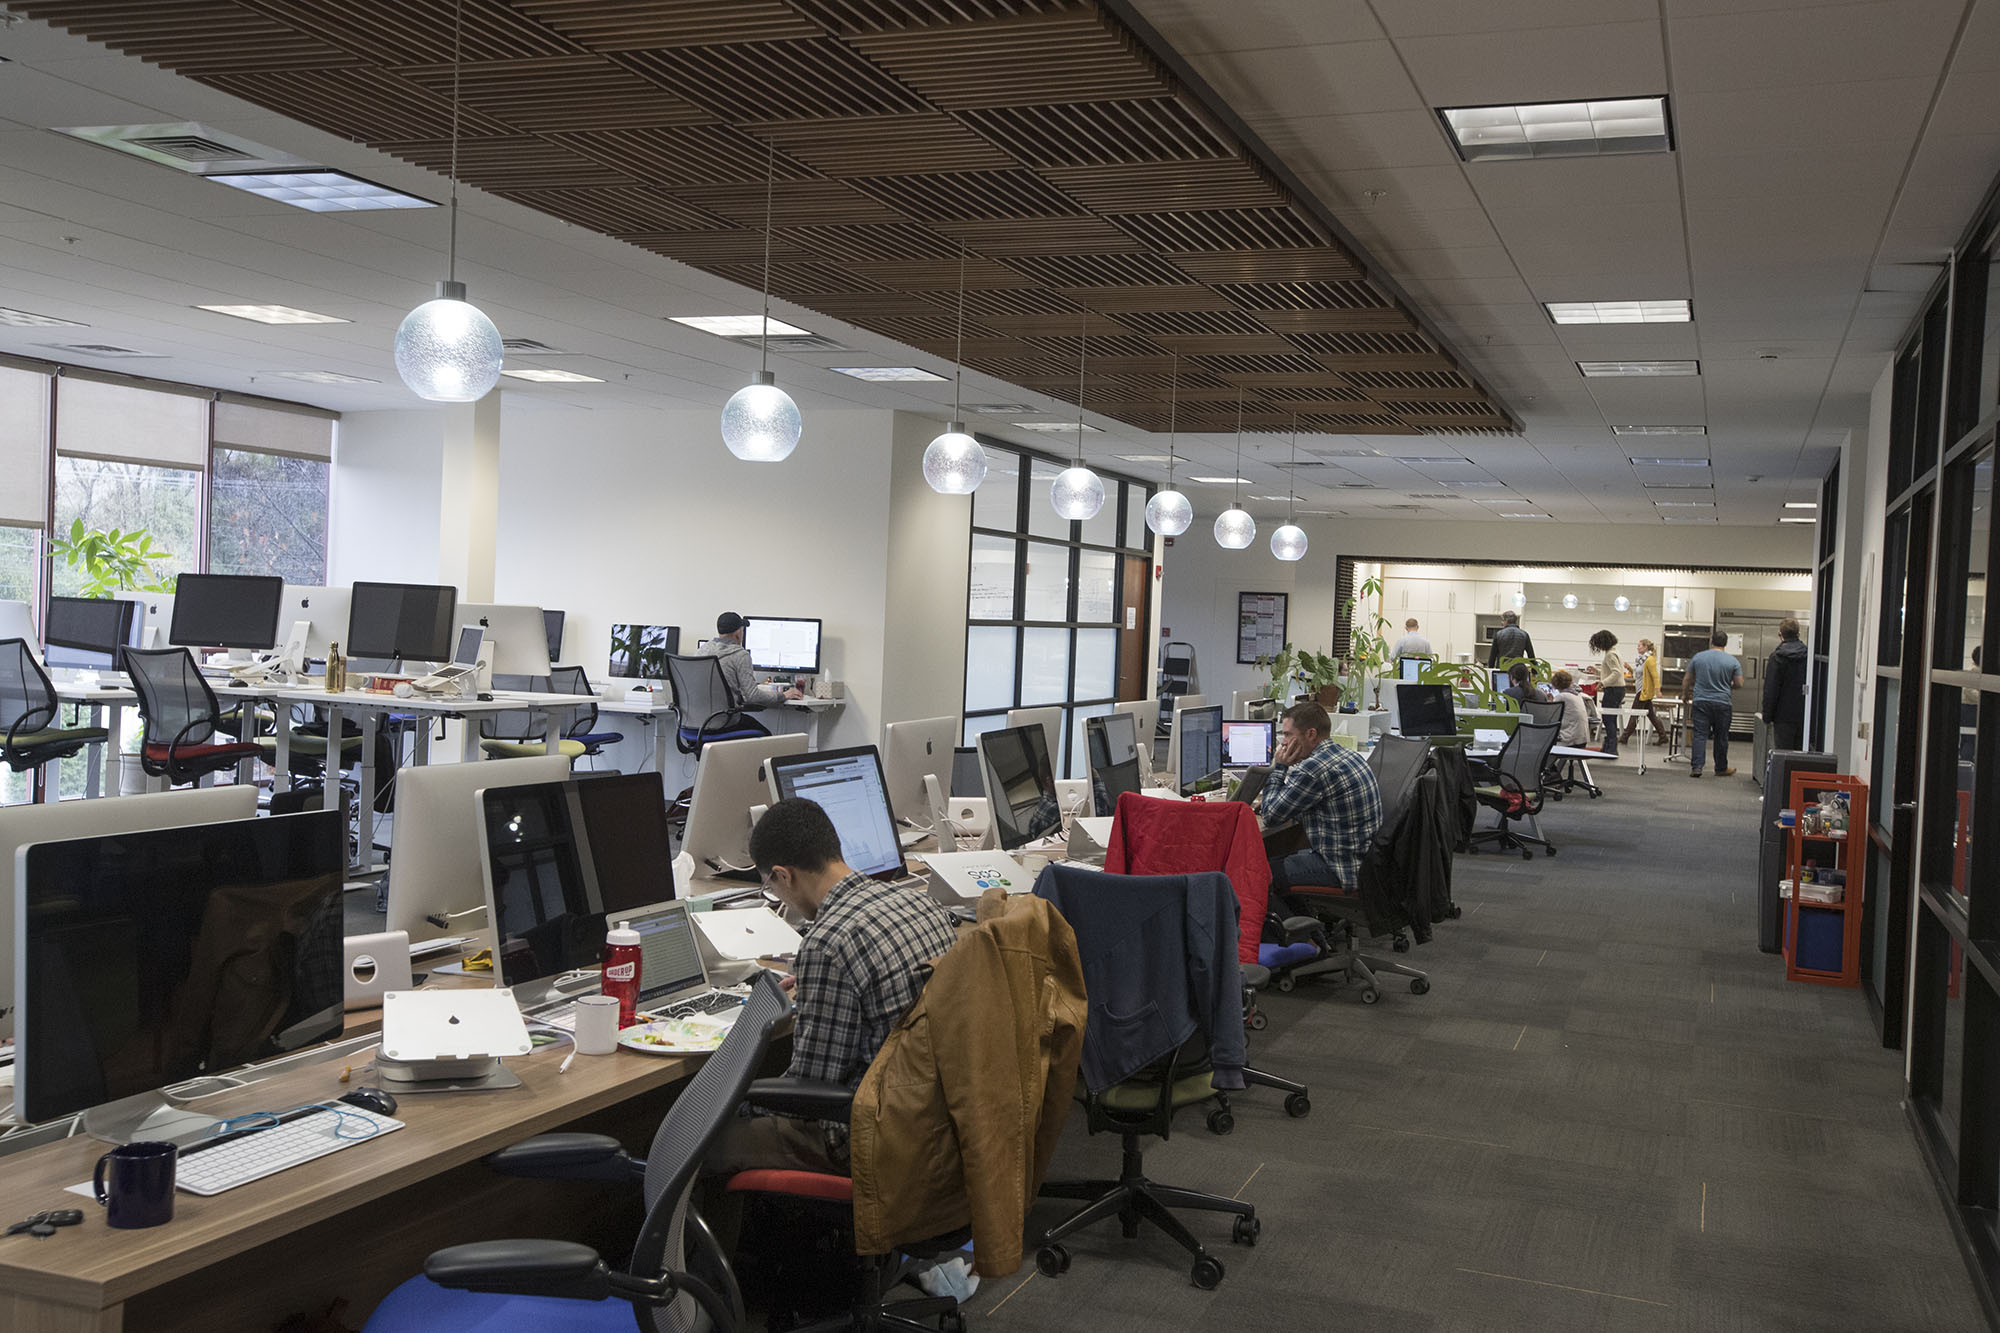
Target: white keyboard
(212, 1166)
(425, 948)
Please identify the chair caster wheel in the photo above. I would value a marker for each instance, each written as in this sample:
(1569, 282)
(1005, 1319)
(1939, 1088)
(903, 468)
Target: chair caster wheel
(1221, 1122)
(1052, 1261)
(1370, 995)
(1527, 853)
(1244, 1232)
(1206, 1273)
(1258, 1022)
(1285, 985)
(951, 1321)
(1297, 1105)
(1420, 986)
(1401, 945)
(1548, 851)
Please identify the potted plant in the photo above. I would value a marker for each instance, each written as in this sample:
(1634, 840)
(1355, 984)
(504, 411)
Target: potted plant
(1282, 667)
(1367, 644)
(1322, 673)
(113, 562)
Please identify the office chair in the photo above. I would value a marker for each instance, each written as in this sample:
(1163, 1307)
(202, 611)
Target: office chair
(1136, 1103)
(520, 733)
(29, 712)
(571, 680)
(1562, 777)
(552, 1285)
(704, 708)
(309, 743)
(182, 717)
(1519, 793)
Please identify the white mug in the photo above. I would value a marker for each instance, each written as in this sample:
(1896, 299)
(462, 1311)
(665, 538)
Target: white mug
(597, 1024)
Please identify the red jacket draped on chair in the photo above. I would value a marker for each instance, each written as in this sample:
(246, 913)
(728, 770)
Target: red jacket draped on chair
(1150, 836)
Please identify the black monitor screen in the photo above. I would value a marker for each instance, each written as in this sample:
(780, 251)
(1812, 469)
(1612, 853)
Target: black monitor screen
(1500, 681)
(408, 621)
(227, 610)
(849, 786)
(1114, 760)
(88, 631)
(552, 625)
(625, 819)
(965, 779)
(1201, 744)
(153, 958)
(1020, 784)
(1426, 710)
(790, 646)
(640, 652)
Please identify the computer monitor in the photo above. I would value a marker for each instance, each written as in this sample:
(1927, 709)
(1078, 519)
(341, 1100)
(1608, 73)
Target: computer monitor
(1199, 733)
(849, 786)
(325, 611)
(517, 642)
(1411, 668)
(1181, 704)
(471, 641)
(1020, 784)
(640, 652)
(16, 622)
(1426, 710)
(552, 630)
(1500, 681)
(151, 958)
(729, 778)
(434, 882)
(966, 779)
(1111, 744)
(227, 611)
(413, 622)
(153, 619)
(87, 632)
(780, 644)
(1247, 744)
(913, 751)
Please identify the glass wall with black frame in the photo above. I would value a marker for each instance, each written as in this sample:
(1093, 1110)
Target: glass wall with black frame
(1824, 567)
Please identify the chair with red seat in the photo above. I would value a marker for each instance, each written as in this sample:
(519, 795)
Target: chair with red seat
(1521, 770)
(183, 717)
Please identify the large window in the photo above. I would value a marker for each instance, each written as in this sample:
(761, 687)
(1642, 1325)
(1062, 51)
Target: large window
(162, 502)
(267, 515)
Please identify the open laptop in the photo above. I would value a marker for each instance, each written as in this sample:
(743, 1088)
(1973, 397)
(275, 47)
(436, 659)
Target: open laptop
(1253, 782)
(673, 979)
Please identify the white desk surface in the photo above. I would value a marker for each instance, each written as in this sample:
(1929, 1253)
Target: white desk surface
(662, 703)
(96, 694)
(1558, 752)
(416, 703)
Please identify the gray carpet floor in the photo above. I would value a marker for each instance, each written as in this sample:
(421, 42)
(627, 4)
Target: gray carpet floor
(1610, 1112)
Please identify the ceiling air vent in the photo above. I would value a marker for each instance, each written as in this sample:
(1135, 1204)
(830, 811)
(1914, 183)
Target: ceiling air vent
(1433, 495)
(1302, 463)
(1406, 508)
(100, 349)
(793, 344)
(194, 148)
(529, 347)
(1359, 486)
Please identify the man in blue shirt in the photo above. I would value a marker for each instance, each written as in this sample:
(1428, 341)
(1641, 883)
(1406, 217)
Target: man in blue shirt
(1330, 792)
(1714, 673)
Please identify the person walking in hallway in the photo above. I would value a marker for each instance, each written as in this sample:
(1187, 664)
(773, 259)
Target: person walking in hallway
(1510, 640)
(1610, 684)
(1785, 689)
(1412, 644)
(1647, 670)
(1713, 673)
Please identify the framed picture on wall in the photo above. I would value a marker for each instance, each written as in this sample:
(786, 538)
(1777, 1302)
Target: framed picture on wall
(1260, 625)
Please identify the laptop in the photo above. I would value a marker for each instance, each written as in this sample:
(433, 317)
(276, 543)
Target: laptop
(1253, 782)
(673, 978)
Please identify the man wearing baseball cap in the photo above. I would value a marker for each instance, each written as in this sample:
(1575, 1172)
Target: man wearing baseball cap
(727, 646)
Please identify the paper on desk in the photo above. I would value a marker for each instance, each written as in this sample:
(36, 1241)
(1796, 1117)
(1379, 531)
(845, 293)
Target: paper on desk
(741, 934)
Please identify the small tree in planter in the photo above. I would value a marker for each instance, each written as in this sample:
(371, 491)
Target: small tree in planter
(1367, 645)
(113, 562)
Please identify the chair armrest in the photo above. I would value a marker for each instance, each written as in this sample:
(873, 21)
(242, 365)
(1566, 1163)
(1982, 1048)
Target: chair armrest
(1302, 929)
(567, 1157)
(1255, 975)
(814, 1098)
(522, 1268)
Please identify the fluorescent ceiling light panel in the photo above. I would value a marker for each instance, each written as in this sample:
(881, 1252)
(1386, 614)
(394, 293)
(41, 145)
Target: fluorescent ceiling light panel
(1798, 520)
(1223, 481)
(274, 314)
(1526, 515)
(1436, 462)
(1801, 504)
(1144, 458)
(1619, 312)
(1659, 430)
(1670, 462)
(543, 375)
(1689, 518)
(323, 377)
(888, 374)
(1679, 486)
(28, 319)
(1636, 369)
(1476, 485)
(737, 326)
(1559, 129)
(321, 191)
(1055, 427)
(994, 409)
(1684, 504)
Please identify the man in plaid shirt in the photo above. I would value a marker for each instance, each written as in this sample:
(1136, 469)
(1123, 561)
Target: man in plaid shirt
(1329, 791)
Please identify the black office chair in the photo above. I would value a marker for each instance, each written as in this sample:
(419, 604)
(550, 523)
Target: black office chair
(572, 680)
(182, 717)
(29, 711)
(705, 709)
(1520, 792)
(309, 743)
(505, 1283)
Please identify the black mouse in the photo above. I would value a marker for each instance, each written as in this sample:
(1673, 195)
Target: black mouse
(371, 1099)
(485, 698)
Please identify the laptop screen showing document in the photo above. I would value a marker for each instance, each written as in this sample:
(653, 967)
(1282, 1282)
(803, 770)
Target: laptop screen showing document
(1247, 744)
(669, 957)
(849, 786)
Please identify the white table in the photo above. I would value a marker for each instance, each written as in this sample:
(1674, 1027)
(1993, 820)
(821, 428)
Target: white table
(112, 694)
(1644, 733)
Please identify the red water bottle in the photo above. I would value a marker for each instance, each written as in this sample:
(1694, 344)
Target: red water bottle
(621, 971)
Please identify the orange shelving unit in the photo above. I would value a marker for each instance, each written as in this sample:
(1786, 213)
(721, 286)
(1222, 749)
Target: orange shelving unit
(1823, 938)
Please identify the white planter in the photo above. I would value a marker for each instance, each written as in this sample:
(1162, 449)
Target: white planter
(131, 778)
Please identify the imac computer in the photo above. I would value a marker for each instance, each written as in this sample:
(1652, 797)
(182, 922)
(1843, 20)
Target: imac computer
(1426, 710)
(1020, 784)
(1411, 668)
(912, 752)
(1112, 744)
(730, 778)
(87, 632)
(1050, 720)
(1247, 744)
(1181, 704)
(849, 786)
(640, 652)
(325, 611)
(150, 959)
(966, 779)
(1198, 731)
(240, 611)
(552, 630)
(16, 622)
(434, 885)
(404, 622)
(517, 642)
(151, 622)
(787, 646)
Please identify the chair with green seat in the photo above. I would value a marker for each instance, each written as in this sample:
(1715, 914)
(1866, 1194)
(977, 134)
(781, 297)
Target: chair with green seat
(517, 733)
(29, 712)
(571, 680)
(308, 743)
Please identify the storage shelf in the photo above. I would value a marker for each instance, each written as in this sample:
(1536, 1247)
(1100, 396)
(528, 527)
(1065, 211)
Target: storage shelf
(1811, 937)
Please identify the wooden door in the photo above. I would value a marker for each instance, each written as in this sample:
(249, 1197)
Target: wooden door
(1134, 626)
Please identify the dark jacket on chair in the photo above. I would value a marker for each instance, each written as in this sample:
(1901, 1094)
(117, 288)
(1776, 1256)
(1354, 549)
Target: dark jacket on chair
(1159, 961)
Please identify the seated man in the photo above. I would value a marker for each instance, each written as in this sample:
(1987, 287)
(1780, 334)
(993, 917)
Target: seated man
(855, 975)
(1330, 791)
(1575, 728)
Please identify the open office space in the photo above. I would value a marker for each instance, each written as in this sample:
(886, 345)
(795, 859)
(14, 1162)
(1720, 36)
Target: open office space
(560, 562)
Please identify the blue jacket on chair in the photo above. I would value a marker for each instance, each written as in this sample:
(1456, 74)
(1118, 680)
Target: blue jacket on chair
(1159, 961)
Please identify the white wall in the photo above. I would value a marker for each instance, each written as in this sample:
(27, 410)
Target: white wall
(385, 497)
(929, 561)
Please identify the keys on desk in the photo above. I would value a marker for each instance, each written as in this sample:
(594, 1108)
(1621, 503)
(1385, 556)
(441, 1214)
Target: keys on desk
(43, 1225)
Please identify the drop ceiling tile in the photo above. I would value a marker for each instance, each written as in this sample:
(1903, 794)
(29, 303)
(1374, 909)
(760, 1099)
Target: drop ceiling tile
(1373, 139)
(1634, 178)
(1198, 26)
(1550, 64)
(1866, 111)
(1630, 342)
(1844, 169)
(1345, 79)
(1384, 227)
(1439, 18)
(1785, 48)
(1478, 262)
(1469, 291)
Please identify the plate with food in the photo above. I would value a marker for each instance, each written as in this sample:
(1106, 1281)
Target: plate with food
(696, 1035)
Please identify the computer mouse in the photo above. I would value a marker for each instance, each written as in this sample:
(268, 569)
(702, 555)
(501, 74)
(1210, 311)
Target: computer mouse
(107, 687)
(371, 1099)
(485, 698)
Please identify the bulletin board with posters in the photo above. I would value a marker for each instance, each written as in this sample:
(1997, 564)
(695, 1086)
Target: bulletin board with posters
(1260, 625)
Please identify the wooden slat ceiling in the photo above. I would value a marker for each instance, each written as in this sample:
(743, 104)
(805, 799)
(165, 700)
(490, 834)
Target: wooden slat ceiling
(1093, 195)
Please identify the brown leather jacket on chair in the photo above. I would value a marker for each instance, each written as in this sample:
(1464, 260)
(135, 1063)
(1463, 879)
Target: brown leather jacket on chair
(958, 1115)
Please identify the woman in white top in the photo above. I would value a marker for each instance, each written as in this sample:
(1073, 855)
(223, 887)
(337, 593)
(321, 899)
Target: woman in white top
(1610, 671)
(1575, 726)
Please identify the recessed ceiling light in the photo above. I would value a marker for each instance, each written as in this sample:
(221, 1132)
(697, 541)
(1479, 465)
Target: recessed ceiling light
(1689, 518)
(1526, 515)
(1055, 427)
(322, 377)
(274, 314)
(543, 375)
(1476, 485)
(1144, 458)
(28, 319)
(1502, 500)
(1684, 504)
(1278, 499)
(1221, 481)
(1679, 486)
(737, 326)
(1798, 520)
(103, 350)
(887, 374)
(1559, 129)
(1670, 462)
(1436, 462)
(321, 191)
(1619, 312)
(994, 409)
(1659, 430)
(1617, 369)
(1801, 504)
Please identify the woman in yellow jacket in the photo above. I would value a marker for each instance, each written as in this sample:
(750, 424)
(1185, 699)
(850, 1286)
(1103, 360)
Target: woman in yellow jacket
(1648, 671)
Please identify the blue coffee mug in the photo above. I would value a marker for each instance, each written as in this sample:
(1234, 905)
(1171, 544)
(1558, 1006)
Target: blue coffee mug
(135, 1183)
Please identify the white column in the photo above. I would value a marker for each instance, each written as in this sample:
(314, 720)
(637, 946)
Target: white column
(469, 497)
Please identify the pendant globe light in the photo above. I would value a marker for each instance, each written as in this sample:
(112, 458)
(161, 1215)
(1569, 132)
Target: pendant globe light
(760, 422)
(1078, 492)
(447, 350)
(1234, 528)
(954, 463)
(1169, 513)
(1289, 541)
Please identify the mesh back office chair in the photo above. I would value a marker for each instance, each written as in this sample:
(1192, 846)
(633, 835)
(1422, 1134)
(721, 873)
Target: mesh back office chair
(1566, 773)
(517, 733)
(182, 717)
(572, 680)
(308, 742)
(1519, 792)
(554, 1286)
(29, 712)
(704, 708)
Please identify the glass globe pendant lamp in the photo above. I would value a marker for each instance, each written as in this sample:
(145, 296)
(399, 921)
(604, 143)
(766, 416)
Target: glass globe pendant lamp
(1234, 529)
(1078, 493)
(1289, 541)
(954, 463)
(1169, 513)
(760, 422)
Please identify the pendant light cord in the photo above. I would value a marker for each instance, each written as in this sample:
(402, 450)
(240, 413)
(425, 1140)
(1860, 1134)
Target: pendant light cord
(1292, 483)
(764, 338)
(958, 376)
(1236, 501)
(1082, 345)
(1173, 415)
(457, 49)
